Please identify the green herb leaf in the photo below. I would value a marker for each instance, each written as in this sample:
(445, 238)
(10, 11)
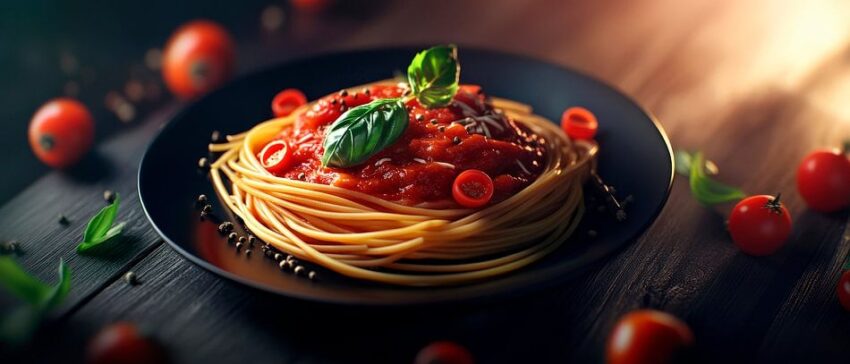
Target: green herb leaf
(21, 323)
(433, 75)
(706, 190)
(99, 229)
(363, 131)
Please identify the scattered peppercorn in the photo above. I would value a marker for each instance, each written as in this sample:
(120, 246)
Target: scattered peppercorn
(203, 163)
(238, 246)
(343, 93)
(420, 117)
(202, 199)
(207, 209)
(282, 265)
(131, 278)
(215, 137)
(312, 275)
(277, 257)
(252, 240)
(299, 270)
(334, 101)
(302, 176)
(289, 257)
(269, 253)
(63, 220)
(366, 91)
(109, 196)
(231, 238)
(434, 121)
(225, 227)
(456, 140)
(242, 239)
(442, 129)
(248, 252)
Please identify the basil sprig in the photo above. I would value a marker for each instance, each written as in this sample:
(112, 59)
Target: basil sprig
(363, 131)
(18, 325)
(99, 229)
(706, 190)
(433, 75)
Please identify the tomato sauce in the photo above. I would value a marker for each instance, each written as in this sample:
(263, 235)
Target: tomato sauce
(421, 165)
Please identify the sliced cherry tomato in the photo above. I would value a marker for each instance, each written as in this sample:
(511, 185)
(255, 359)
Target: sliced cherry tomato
(199, 57)
(61, 132)
(121, 343)
(579, 123)
(286, 101)
(823, 180)
(760, 225)
(472, 188)
(276, 156)
(444, 352)
(844, 290)
(647, 336)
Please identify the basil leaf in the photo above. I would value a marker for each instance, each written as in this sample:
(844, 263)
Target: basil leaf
(706, 190)
(111, 233)
(19, 325)
(100, 229)
(433, 75)
(20, 283)
(363, 131)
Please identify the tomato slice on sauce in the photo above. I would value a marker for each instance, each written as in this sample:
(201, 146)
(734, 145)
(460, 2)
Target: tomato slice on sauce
(579, 123)
(472, 188)
(286, 101)
(275, 156)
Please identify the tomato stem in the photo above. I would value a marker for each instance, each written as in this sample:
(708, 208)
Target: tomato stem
(774, 205)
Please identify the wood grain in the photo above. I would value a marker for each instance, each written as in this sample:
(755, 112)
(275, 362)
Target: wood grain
(755, 84)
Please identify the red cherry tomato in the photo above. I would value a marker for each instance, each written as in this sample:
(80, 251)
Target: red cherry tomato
(311, 6)
(61, 132)
(444, 352)
(823, 180)
(121, 343)
(286, 101)
(472, 188)
(276, 156)
(579, 123)
(647, 336)
(760, 225)
(844, 290)
(199, 57)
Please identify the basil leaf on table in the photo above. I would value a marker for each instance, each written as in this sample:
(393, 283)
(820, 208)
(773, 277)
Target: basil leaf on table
(433, 75)
(363, 131)
(99, 229)
(706, 190)
(19, 325)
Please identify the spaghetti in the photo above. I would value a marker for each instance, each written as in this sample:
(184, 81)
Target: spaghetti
(367, 237)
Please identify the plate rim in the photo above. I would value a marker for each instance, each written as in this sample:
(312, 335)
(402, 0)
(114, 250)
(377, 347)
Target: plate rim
(539, 285)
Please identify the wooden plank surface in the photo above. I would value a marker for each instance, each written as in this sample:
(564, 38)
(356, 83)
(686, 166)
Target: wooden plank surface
(754, 84)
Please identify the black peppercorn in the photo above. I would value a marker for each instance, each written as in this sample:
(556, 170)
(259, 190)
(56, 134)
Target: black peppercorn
(109, 196)
(203, 163)
(215, 136)
(312, 275)
(207, 209)
(456, 140)
(63, 220)
(231, 238)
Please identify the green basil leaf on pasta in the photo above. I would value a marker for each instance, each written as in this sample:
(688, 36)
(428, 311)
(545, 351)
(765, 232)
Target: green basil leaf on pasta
(363, 131)
(433, 75)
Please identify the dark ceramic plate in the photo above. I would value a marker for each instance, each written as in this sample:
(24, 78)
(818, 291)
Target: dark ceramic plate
(635, 157)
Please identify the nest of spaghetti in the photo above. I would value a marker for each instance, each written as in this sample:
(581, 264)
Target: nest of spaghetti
(366, 237)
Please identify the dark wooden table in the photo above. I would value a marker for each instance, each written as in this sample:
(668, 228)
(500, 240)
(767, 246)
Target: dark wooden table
(754, 84)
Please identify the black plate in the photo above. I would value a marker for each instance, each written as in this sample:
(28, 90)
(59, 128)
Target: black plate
(635, 157)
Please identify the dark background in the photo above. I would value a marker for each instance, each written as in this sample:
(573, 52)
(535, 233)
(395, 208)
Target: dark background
(755, 84)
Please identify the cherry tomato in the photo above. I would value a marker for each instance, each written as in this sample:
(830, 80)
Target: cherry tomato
(579, 123)
(760, 225)
(286, 101)
(276, 156)
(844, 290)
(444, 352)
(121, 343)
(61, 132)
(472, 188)
(199, 57)
(647, 336)
(823, 180)
(311, 6)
